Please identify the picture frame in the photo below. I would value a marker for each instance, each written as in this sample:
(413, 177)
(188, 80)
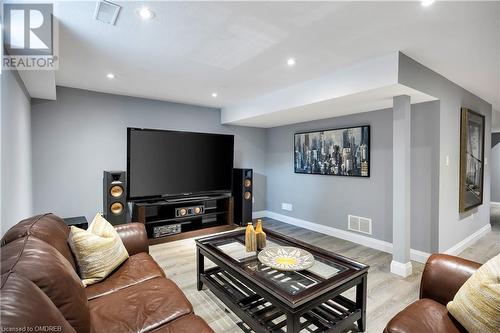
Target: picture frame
(333, 152)
(472, 132)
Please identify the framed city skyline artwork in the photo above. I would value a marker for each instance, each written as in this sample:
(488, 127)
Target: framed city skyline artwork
(471, 159)
(334, 152)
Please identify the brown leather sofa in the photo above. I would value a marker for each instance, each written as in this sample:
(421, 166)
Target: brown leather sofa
(41, 290)
(443, 275)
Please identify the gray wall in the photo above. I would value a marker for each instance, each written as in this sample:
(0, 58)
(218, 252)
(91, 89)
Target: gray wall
(425, 176)
(327, 200)
(453, 226)
(15, 124)
(495, 167)
(83, 133)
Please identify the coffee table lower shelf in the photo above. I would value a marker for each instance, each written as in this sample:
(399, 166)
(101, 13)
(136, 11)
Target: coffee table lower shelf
(334, 315)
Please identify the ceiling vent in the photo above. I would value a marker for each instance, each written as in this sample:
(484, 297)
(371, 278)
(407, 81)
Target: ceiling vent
(359, 224)
(106, 12)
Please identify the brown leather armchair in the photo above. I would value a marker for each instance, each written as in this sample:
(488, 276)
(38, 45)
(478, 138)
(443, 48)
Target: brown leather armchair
(41, 290)
(443, 275)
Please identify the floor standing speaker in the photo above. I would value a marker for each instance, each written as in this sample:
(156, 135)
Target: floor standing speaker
(114, 197)
(243, 194)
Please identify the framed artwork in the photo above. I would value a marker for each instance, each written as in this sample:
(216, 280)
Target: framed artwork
(335, 152)
(471, 159)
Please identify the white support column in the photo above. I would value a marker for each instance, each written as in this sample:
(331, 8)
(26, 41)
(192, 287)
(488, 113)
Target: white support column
(401, 154)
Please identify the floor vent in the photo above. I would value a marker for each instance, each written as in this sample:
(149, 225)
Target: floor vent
(359, 224)
(106, 12)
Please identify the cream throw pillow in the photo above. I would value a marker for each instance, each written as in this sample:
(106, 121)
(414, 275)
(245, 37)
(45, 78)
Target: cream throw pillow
(98, 250)
(477, 303)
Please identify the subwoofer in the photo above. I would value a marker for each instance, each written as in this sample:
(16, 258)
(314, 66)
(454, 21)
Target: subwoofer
(243, 195)
(114, 197)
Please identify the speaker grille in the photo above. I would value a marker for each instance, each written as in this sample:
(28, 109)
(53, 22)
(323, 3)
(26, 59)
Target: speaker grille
(116, 208)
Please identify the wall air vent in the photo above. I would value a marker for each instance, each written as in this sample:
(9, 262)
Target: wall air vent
(359, 224)
(106, 12)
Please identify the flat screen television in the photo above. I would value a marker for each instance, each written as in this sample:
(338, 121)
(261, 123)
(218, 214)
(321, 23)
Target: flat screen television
(164, 163)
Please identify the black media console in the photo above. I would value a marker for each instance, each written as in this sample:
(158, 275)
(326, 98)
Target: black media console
(173, 219)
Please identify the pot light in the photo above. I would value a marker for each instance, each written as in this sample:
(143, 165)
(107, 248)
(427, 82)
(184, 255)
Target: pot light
(110, 76)
(427, 3)
(146, 13)
(290, 62)
(214, 95)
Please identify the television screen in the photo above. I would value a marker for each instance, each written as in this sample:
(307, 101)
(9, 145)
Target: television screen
(171, 163)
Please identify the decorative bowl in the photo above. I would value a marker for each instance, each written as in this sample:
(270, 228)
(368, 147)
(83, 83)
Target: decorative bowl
(286, 258)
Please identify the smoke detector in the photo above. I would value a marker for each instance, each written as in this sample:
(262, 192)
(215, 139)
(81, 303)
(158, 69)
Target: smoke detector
(106, 12)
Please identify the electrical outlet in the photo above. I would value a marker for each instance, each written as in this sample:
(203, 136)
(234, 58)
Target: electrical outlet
(447, 160)
(286, 206)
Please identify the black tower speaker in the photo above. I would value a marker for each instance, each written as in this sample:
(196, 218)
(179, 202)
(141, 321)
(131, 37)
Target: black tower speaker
(114, 197)
(242, 193)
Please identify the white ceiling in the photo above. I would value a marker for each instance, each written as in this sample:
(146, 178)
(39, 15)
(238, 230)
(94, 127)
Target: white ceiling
(239, 49)
(40, 84)
(370, 100)
(363, 87)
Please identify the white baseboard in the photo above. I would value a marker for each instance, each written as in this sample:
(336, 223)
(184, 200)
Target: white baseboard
(343, 234)
(468, 241)
(415, 255)
(401, 269)
(373, 243)
(258, 214)
(419, 256)
(495, 204)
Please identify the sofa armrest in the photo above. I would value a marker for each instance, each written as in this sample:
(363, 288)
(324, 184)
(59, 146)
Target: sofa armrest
(443, 275)
(134, 237)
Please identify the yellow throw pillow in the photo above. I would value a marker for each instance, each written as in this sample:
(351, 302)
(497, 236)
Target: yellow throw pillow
(98, 250)
(477, 303)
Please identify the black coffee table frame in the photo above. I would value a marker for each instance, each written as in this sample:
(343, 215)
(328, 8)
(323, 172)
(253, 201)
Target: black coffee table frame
(266, 309)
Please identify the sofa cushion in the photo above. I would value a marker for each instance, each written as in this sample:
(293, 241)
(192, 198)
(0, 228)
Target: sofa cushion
(42, 264)
(47, 227)
(138, 308)
(424, 315)
(477, 303)
(24, 305)
(98, 250)
(185, 324)
(138, 268)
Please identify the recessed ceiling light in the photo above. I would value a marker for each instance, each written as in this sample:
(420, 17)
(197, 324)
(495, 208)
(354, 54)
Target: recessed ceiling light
(214, 95)
(146, 13)
(110, 76)
(427, 3)
(290, 62)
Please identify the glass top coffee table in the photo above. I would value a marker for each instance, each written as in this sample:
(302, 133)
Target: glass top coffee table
(268, 300)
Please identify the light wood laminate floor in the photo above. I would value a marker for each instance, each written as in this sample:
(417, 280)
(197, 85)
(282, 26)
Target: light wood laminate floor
(387, 293)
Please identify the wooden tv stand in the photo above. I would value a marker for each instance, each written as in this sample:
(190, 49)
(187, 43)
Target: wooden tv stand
(217, 217)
